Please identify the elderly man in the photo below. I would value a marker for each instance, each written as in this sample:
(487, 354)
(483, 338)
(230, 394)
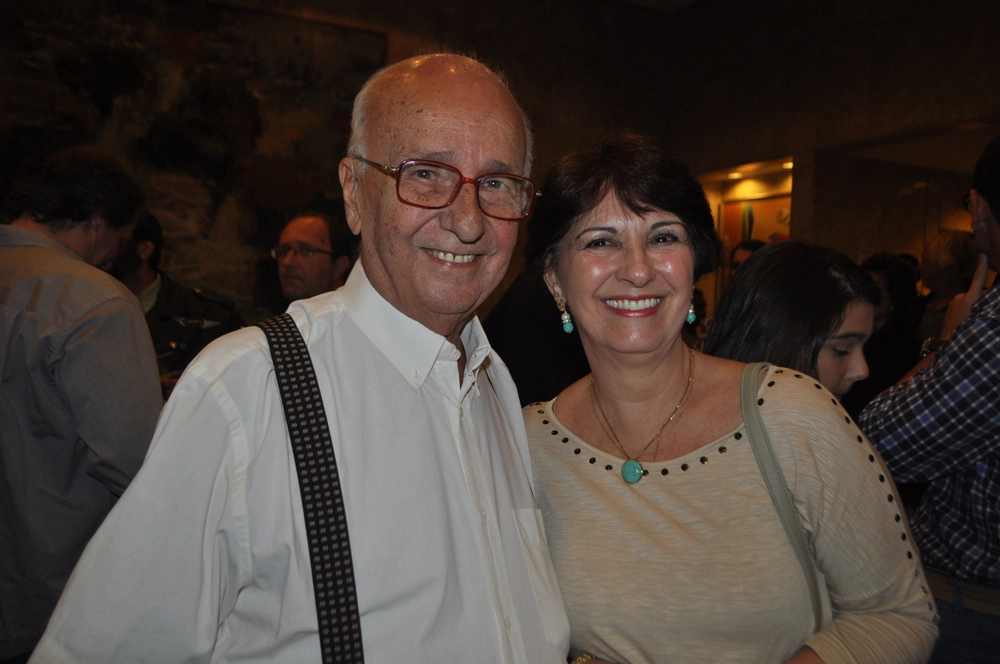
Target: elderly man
(206, 557)
(942, 426)
(314, 254)
(80, 397)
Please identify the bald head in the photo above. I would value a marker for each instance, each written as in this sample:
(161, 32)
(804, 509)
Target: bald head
(435, 264)
(392, 89)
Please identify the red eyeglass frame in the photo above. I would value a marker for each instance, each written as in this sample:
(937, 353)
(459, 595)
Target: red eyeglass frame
(462, 180)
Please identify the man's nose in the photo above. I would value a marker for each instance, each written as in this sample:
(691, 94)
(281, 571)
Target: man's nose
(463, 217)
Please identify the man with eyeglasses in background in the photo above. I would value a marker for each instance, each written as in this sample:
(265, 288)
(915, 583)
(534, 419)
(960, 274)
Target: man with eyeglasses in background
(314, 255)
(207, 558)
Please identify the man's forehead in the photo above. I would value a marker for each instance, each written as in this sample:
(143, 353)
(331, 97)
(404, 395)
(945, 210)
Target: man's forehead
(412, 109)
(494, 139)
(305, 225)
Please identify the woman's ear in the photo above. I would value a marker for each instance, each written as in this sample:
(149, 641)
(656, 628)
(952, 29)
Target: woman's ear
(551, 280)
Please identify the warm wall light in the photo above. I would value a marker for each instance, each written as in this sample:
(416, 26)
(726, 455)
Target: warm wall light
(735, 176)
(787, 165)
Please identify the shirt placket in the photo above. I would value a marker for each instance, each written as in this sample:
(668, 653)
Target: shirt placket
(467, 440)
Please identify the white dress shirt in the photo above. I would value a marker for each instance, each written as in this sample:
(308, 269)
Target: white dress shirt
(205, 557)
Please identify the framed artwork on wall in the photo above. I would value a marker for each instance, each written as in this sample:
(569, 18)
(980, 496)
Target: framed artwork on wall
(766, 219)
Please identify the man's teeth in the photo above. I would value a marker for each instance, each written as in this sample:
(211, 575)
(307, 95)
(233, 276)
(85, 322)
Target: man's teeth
(634, 305)
(452, 258)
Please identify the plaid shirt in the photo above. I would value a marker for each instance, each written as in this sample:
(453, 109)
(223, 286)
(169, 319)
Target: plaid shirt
(943, 427)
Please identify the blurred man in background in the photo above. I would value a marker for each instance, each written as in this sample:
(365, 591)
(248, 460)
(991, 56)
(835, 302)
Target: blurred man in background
(181, 320)
(314, 255)
(80, 394)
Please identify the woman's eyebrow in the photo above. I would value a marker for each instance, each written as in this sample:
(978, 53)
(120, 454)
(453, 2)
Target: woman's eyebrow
(592, 229)
(848, 335)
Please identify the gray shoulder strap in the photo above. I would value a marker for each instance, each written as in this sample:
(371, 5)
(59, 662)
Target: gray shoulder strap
(774, 479)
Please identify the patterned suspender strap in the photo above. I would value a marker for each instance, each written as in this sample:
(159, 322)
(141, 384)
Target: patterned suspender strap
(322, 501)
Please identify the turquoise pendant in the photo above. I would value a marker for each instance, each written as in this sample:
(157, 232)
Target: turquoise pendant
(631, 471)
(567, 327)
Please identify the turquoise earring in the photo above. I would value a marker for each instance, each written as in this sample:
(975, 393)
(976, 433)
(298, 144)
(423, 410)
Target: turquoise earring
(691, 317)
(567, 320)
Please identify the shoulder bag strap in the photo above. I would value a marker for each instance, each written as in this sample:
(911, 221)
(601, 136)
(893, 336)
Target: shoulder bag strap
(774, 479)
(322, 501)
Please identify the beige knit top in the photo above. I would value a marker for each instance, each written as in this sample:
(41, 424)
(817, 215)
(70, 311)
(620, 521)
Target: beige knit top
(691, 564)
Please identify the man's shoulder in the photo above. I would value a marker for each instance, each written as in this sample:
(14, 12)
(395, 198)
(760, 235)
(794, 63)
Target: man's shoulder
(977, 339)
(988, 306)
(60, 287)
(237, 363)
(247, 349)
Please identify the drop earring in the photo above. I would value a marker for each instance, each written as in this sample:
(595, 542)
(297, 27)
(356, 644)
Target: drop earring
(691, 318)
(567, 320)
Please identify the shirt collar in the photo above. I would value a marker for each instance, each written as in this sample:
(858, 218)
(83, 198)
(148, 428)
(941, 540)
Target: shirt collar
(412, 348)
(16, 236)
(147, 298)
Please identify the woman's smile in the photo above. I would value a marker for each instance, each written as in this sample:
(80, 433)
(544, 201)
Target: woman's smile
(634, 307)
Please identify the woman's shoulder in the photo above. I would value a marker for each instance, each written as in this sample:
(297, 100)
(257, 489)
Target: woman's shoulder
(792, 393)
(536, 413)
(806, 422)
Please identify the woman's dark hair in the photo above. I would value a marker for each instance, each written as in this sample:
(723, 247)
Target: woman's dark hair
(642, 176)
(148, 229)
(783, 304)
(986, 176)
(902, 288)
(72, 187)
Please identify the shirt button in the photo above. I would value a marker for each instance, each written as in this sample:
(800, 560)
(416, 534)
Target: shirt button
(416, 375)
(455, 355)
(482, 513)
(461, 412)
(506, 623)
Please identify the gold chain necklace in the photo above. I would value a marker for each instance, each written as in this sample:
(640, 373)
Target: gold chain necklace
(632, 469)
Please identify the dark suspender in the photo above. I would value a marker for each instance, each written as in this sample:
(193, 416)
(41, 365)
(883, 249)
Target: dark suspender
(322, 500)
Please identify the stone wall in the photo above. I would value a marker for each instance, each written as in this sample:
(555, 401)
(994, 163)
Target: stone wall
(233, 119)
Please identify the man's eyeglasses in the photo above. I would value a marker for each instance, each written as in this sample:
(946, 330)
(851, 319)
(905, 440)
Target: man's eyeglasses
(303, 250)
(432, 185)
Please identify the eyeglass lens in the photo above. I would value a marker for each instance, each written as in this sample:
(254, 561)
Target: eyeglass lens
(303, 250)
(431, 185)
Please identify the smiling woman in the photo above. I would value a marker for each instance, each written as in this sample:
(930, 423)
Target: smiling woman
(663, 535)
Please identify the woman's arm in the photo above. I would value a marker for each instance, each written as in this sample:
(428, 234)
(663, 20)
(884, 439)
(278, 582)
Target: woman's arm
(861, 541)
(805, 656)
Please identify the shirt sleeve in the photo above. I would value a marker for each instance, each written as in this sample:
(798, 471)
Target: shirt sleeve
(106, 372)
(162, 573)
(881, 608)
(948, 416)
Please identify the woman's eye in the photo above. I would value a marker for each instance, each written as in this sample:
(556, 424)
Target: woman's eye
(665, 238)
(598, 243)
(841, 352)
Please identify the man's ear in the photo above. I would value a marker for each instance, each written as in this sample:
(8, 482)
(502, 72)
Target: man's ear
(978, 205)
(145, 249)
(349, 185)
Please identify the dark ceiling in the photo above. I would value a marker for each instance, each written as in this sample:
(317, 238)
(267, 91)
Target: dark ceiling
(662, 6)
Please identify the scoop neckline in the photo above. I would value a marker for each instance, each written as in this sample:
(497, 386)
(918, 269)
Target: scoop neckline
(700, 452)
